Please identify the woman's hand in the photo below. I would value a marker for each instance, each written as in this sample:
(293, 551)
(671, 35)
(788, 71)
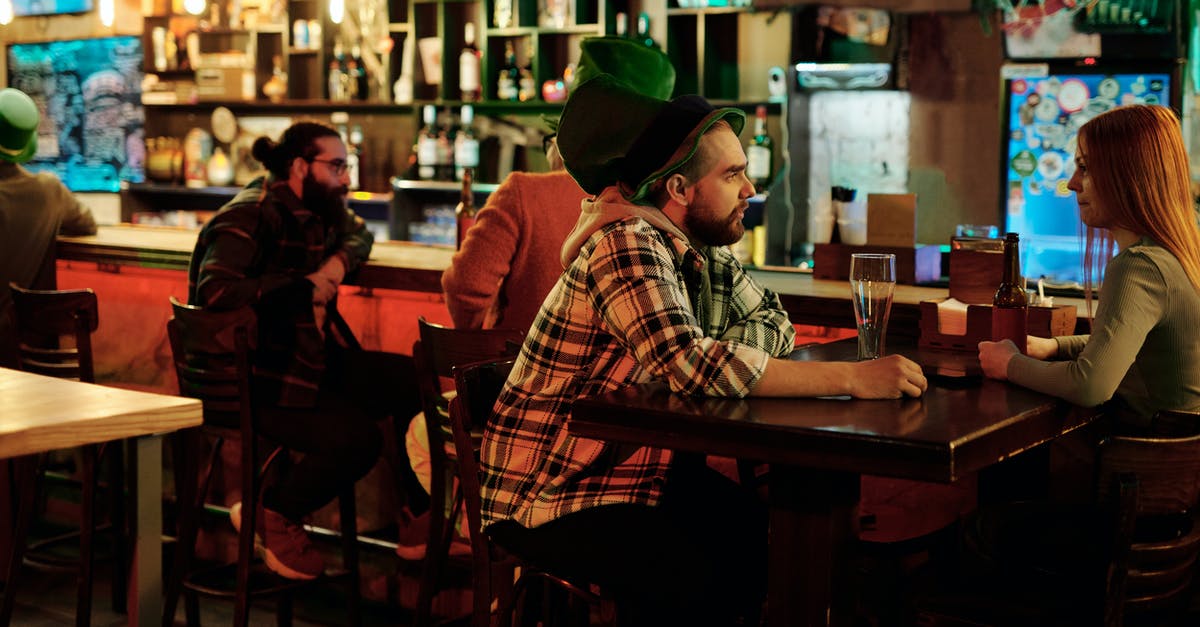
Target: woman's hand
(1041, 347)
(994, 358)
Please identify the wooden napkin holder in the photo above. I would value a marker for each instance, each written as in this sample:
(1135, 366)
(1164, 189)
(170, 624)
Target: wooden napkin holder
(1043, 322)
(975, 275)
(914, 264)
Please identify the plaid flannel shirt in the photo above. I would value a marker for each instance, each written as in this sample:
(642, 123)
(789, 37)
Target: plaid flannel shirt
(630, 308)
(256, 251)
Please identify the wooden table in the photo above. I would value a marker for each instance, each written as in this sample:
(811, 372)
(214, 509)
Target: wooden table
(43, 413)
(818, 448)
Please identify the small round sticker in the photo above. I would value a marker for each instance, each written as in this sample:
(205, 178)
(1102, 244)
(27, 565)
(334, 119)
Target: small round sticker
(1073, 95)
(1047, 110)
(1109, 88)
(1023, 163)
(1050, 165)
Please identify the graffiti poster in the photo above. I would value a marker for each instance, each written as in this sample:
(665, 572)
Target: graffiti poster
(89, 92)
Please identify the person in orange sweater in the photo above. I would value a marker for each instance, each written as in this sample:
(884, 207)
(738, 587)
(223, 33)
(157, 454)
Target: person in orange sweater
(509, 260)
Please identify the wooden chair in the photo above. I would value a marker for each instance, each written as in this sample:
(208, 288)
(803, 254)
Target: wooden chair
(493, 567)
(212, 360)
(436, 354)
(1143, 528)
(43, 318)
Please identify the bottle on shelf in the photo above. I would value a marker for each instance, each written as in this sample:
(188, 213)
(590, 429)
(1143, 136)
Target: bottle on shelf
(758, 153)
(358, 74)
(444, 152)
(643, 30)
(622, 25)
(506, 82)
(427, 145)
(337, 82)
(466, 145)
(1010, 308)
(464, 213)
(526, 86)
(276, 88)
(353, 158)
(502, 14)
(468, 66)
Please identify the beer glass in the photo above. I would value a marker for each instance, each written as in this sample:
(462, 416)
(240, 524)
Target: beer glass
(872, 281)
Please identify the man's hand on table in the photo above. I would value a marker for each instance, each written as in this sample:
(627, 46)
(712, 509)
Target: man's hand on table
(892, 376)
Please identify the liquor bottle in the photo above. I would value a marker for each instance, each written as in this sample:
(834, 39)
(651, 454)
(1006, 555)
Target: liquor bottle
(643, 30)
(466, 146)
(526, 86)
(359, 75)
(506, 82)
(622, 21)
(353, 160)
(468, 66)
(444, 152)
(1009, 306)
(427, 145)
(337, 83)
(464, 213)
(758, 153)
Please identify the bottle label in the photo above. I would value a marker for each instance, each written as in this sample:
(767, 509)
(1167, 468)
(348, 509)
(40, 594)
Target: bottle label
(468, 72)
(466, 153)
(1010, 323)
(426, 156)
(464, 224)
(758, 162)
(505, 88)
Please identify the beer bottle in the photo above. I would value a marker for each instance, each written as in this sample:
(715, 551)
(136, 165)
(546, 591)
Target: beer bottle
(464, 213)
(1009, 306)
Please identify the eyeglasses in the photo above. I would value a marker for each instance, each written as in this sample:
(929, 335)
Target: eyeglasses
(548, 141)
(337, 165)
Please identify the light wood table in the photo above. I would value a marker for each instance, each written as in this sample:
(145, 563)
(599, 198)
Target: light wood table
(43, 413)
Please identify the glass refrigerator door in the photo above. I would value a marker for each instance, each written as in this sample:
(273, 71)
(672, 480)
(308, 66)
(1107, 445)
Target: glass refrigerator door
(1042, 119)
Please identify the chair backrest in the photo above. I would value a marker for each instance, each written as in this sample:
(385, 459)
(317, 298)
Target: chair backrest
(439, 351)
(478, 386)
(1154, 485)
(43, 317)
(211, 352)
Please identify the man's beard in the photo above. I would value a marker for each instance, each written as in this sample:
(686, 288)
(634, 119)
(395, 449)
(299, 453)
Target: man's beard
(329, 204)
(714, 231)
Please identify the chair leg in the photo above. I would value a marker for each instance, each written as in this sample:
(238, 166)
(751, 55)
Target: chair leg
(431, 566)
(283, 610)
(87, 534)
(24, 471)
(347, 505)
(118, 506)
(250, 501)
(190, 499)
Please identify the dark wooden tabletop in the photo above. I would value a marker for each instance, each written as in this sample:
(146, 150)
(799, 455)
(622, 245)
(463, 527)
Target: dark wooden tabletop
(959, 426)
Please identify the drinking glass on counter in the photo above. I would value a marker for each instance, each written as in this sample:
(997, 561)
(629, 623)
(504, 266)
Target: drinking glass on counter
(872, 281)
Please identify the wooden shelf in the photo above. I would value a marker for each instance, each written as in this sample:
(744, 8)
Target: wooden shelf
(707, 10)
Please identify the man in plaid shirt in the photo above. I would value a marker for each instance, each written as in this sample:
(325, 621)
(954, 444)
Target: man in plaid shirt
(283, 246)
(650, 292)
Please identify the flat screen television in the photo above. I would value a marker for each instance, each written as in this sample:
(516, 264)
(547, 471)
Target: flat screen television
(1042, 113)
(89, 92)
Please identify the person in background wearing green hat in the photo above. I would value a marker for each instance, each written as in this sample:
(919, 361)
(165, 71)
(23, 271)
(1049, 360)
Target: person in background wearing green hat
(651, 292)
(510, 258)
(34, 209)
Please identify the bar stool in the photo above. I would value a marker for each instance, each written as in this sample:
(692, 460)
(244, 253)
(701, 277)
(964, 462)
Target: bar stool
(212, 360)
(42, 318)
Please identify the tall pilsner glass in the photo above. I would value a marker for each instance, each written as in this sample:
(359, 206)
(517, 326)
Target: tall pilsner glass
(872, 281)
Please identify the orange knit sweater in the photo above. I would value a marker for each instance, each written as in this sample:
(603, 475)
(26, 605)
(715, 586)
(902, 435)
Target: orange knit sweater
(509, 260)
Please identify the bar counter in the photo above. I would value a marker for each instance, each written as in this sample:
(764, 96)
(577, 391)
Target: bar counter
(418, 268)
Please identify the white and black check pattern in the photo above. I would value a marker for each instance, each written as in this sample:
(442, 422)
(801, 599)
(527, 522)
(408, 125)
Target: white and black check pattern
(631, 308)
